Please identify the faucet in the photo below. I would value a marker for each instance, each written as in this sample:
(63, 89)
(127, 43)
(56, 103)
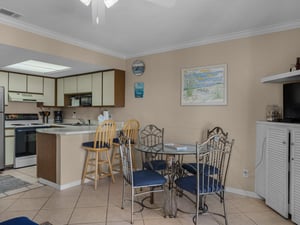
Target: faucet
(82, 121)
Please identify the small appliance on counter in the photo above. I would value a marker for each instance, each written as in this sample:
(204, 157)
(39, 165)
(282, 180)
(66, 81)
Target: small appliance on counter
(58, 117)
(273, 113)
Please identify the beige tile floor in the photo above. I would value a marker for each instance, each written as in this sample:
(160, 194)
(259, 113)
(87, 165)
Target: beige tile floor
(82, 205)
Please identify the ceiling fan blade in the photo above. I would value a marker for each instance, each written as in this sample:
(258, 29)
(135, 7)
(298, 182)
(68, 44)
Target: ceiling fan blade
(98, 11)
(164, 3)
(86, 2)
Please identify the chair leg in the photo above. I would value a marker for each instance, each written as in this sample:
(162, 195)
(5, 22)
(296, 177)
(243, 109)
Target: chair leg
(224, 208)
(132, 200)
(123, 193)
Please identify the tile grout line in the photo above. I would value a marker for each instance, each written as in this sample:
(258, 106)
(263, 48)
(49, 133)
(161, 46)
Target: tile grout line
(69, 220)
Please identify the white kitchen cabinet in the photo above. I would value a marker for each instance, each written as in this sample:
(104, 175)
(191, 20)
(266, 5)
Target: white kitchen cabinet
(49, 92)
(295, 175)
(35, 84)
(70, 85)
(60, 92)
(84, 83)
(17, 82)
(282, 167)
(4, 83)
(277, 164)
(97, 89)
(108, 88)
(9, 146)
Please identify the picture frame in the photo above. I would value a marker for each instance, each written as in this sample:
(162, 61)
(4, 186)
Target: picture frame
(205, 85)
(139, 89)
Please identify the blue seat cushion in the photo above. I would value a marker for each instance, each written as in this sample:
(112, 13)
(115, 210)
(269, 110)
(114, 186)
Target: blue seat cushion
(90, 144)
(189, 184)
(117, 141)
(144, 178)
(19, 221)
(192, 168)
(155, 165)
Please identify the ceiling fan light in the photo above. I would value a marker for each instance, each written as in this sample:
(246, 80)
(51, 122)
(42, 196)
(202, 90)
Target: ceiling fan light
(86, 2)
(110, 3)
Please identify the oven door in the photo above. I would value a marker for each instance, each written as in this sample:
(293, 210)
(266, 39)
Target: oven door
(25, 141)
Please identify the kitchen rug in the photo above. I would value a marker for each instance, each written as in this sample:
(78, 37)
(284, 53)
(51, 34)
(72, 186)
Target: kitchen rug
(9, 183)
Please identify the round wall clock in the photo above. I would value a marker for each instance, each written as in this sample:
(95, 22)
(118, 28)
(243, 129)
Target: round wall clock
(138, 67)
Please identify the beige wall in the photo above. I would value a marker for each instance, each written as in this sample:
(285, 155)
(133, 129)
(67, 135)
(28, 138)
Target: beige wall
(247, 59)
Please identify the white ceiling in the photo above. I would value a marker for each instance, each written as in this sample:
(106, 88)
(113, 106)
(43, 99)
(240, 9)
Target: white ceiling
(135, 28)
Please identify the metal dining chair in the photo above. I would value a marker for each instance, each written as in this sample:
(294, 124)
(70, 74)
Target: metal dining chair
(218, 141)
(153, 138)
(212, 181)
(145, 181)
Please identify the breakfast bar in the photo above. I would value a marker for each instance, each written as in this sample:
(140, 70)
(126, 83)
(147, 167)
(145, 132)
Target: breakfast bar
(60, 158)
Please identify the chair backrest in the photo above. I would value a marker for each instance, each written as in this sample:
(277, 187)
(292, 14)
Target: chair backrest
(213, 165)
(105, 133)
(151, 136)
(131, 130)
(220, 137)
(126, 159)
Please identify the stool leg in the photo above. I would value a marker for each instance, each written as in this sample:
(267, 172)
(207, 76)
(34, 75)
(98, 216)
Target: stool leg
(110, 167)
(85, 166)
(96, 169)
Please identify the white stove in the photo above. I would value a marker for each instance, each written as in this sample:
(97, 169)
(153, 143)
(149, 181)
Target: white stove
(25, 126)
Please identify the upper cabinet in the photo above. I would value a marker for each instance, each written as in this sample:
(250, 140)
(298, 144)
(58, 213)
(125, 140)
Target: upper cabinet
(49, 92)
(109, 88)
(84, 83)
(17, 82)
(282, 77)
(70, 85)
(60, 92)
(25, 83)
(35, 84)
(4, 83)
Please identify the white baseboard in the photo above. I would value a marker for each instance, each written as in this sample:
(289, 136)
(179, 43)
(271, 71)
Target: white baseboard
(242, 192)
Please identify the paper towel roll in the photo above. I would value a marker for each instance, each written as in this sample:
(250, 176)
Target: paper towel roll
(106, 115)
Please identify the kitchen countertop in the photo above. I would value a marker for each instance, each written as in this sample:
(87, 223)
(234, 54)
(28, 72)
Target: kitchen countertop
(69, 130)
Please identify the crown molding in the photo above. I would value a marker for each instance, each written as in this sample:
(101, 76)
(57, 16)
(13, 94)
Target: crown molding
(56, 36)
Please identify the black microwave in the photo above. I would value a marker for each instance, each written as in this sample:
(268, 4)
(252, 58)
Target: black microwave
(86, 100)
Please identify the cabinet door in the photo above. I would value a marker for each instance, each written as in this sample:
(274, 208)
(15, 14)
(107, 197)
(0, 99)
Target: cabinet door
(97, 89)
(4, 83)
(49, 88)
(35, 84)
(17, 82)
(260, 162)
(60, 101)
(70, 85)
(84, 83)
(9, 147)
(277, 169)
(108, 88)
(295, 176)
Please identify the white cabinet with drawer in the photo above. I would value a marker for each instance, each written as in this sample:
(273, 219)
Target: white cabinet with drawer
(4, 83)
(35, 84)
(49, 92)
(17, 82)
(9, 146)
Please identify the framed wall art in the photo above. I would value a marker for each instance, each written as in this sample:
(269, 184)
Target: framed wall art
(139, 89)
(205, 85)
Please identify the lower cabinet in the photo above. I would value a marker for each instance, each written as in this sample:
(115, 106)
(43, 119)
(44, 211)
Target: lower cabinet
(280, 167)
(9, 147)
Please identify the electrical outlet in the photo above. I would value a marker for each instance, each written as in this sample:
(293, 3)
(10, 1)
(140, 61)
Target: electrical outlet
(245, 173)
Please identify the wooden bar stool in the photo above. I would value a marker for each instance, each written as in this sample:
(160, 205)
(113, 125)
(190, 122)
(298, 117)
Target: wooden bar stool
(130, 129)
(97, 163)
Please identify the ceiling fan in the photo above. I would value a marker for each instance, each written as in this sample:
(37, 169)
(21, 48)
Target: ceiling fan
(98, 7)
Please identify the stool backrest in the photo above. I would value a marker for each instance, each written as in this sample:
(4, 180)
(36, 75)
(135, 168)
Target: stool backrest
(131, 130)
(105, 133)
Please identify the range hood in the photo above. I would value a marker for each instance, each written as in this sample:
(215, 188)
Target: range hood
(25, 97)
